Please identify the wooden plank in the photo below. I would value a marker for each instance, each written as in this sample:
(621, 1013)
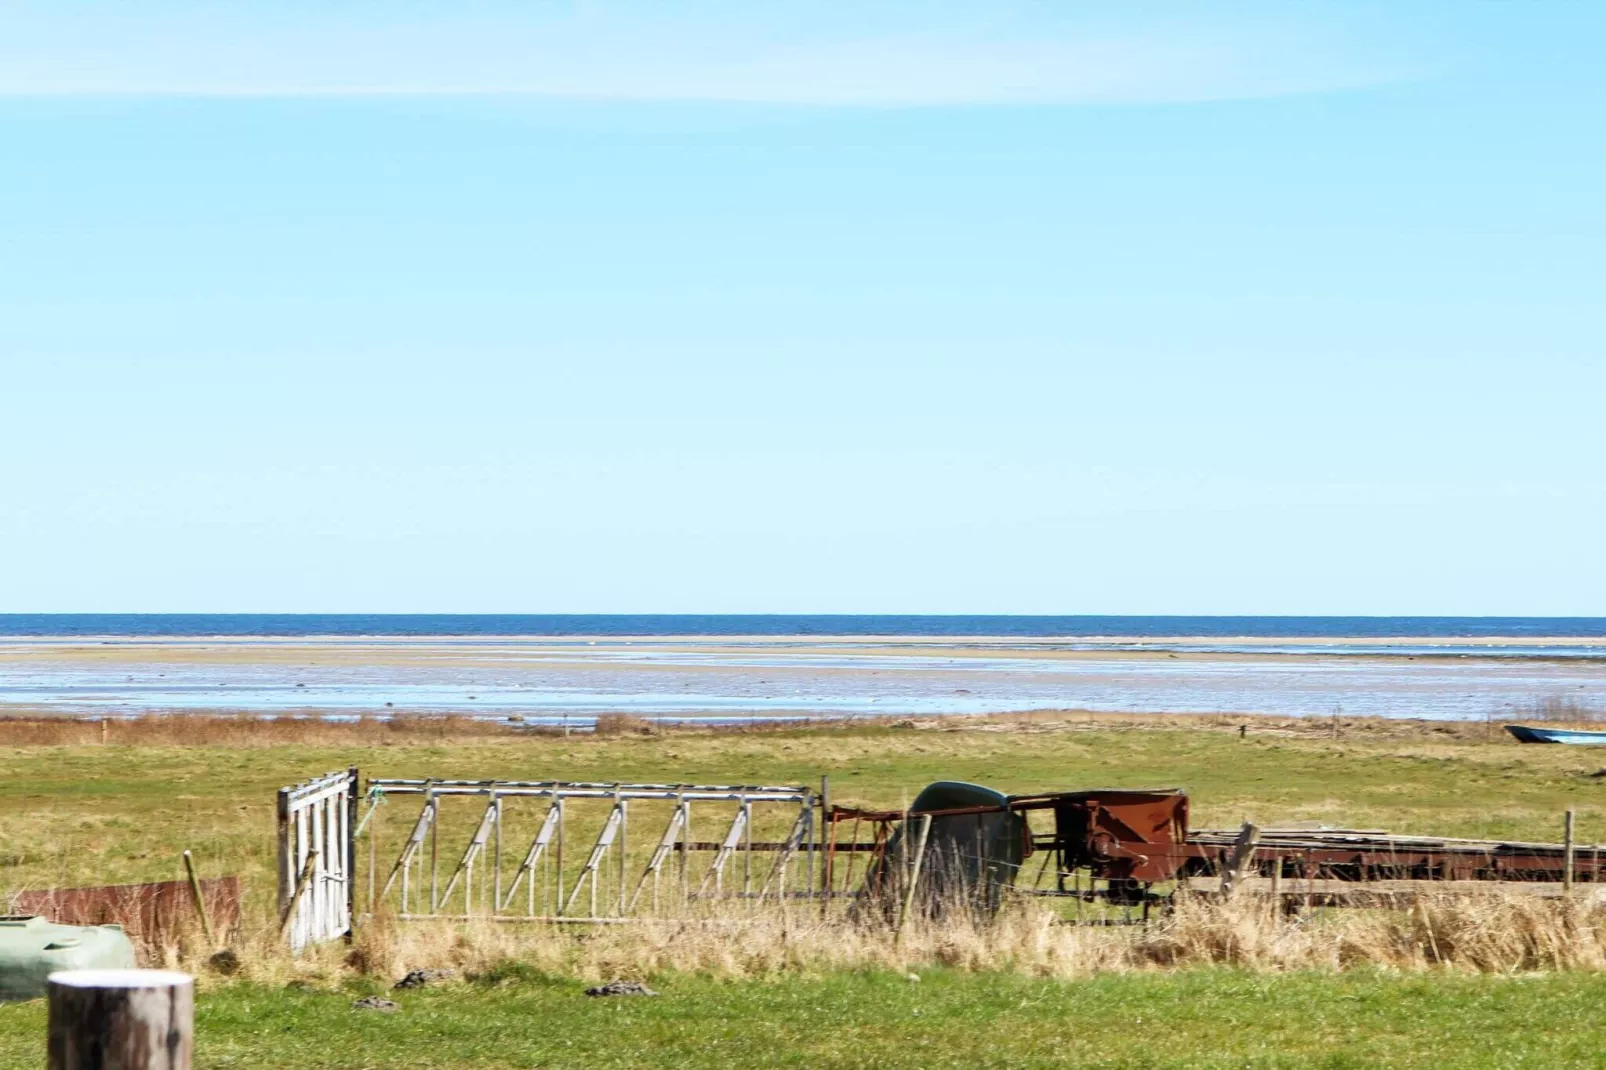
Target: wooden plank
(1540, 889)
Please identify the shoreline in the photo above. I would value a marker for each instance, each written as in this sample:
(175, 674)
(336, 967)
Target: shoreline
(1047, 719)
(735, 678)
(201, 728)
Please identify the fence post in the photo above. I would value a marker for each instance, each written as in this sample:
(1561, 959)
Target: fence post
(287, 862)
(827, 849)
(121, 1020)
(914, 874)
(1567, 855)
(1243, 849)
(199, 900)
(353, 783)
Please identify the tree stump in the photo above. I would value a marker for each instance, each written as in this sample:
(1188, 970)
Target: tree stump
(121, 1020)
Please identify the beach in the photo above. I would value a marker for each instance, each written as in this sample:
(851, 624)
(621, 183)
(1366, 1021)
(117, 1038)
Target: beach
(714, 679)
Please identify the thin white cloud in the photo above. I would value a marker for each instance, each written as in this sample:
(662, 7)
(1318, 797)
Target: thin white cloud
(893, 57)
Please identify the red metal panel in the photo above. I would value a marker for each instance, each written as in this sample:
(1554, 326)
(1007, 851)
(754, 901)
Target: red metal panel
(151, 914)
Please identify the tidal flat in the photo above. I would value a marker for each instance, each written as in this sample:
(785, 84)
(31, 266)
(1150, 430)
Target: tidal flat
(713, 680)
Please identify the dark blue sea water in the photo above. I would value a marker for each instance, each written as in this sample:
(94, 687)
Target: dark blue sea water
(557, 624)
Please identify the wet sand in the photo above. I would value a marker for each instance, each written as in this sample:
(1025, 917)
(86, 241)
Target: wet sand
(728, 677)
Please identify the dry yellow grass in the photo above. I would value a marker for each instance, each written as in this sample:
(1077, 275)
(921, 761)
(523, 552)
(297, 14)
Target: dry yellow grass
(23, 729)
(80, 811)
(1505, 933)
(189, 730)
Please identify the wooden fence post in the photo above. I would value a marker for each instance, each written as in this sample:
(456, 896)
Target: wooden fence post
(914, 873)
(287, 862)
(1567, 855)
(121, 1020)
(200, 901)
(353, 786)
(827, 849)
(1243, 849)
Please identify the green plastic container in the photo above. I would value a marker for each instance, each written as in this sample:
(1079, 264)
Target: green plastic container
(970, 859)
(31, 949)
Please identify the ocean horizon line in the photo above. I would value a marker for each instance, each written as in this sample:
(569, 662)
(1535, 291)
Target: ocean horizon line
(309, 625)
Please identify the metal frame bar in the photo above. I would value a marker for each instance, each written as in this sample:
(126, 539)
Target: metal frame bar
(596, 872)
(674, 835)
(465, 867)
(599, 852)
(532, 857)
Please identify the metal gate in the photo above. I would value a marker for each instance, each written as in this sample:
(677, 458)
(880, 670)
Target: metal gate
(317, 829)
(619, 876)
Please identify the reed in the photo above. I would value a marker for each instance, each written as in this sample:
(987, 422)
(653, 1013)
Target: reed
(1561, 709)
(243, 730)
(1495, 933)
(30, 729)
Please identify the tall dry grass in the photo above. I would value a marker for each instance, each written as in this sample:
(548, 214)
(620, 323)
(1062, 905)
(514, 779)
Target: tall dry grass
(26, 729)
(250, 729)
(1478, 933)
(1561, 709)
(184, 729)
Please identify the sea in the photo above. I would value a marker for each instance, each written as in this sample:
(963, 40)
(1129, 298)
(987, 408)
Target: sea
(305, 625)
(540, 669)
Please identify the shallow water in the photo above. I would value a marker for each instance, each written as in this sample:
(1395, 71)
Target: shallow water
(540, 681)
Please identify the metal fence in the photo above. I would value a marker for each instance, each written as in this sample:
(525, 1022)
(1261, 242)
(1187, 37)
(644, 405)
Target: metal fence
(519, 852)
(317, 835)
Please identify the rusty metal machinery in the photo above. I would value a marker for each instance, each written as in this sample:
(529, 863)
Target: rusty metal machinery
(1119, 844)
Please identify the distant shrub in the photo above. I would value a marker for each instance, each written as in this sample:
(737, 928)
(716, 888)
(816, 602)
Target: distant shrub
(624, 724)
(1561, 708)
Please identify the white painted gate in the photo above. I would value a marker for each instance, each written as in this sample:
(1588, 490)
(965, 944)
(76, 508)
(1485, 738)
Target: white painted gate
(317, 822)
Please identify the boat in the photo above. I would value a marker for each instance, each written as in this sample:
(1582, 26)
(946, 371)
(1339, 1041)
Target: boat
(1526, 734)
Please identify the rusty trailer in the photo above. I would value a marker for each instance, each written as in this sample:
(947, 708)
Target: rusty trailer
(1120, 845)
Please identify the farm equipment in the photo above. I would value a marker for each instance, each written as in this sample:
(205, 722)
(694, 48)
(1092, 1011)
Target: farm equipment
(1118, 845)
(573, 853)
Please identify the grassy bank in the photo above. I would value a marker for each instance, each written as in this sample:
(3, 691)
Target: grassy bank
(947, 1019)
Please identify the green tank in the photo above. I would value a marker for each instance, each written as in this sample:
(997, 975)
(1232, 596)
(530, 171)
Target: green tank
(970, 858)
(31, 949)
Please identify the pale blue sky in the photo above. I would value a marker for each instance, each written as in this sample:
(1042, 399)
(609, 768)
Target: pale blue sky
(1127, 308)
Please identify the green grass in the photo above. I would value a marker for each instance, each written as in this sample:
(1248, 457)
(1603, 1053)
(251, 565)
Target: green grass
(93, 814)
(1197, 1019)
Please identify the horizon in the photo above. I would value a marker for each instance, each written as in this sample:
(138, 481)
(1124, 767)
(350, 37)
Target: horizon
(1560, 636)
(1040, 616)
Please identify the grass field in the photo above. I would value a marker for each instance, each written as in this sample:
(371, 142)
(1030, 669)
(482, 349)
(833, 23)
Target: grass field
(93, 814)
(1190, 1019)
(86, 812)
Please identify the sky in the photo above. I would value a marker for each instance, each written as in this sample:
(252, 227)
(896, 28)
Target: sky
(887, 307)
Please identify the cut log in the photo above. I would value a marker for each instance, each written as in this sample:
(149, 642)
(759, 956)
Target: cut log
(121, 1020)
